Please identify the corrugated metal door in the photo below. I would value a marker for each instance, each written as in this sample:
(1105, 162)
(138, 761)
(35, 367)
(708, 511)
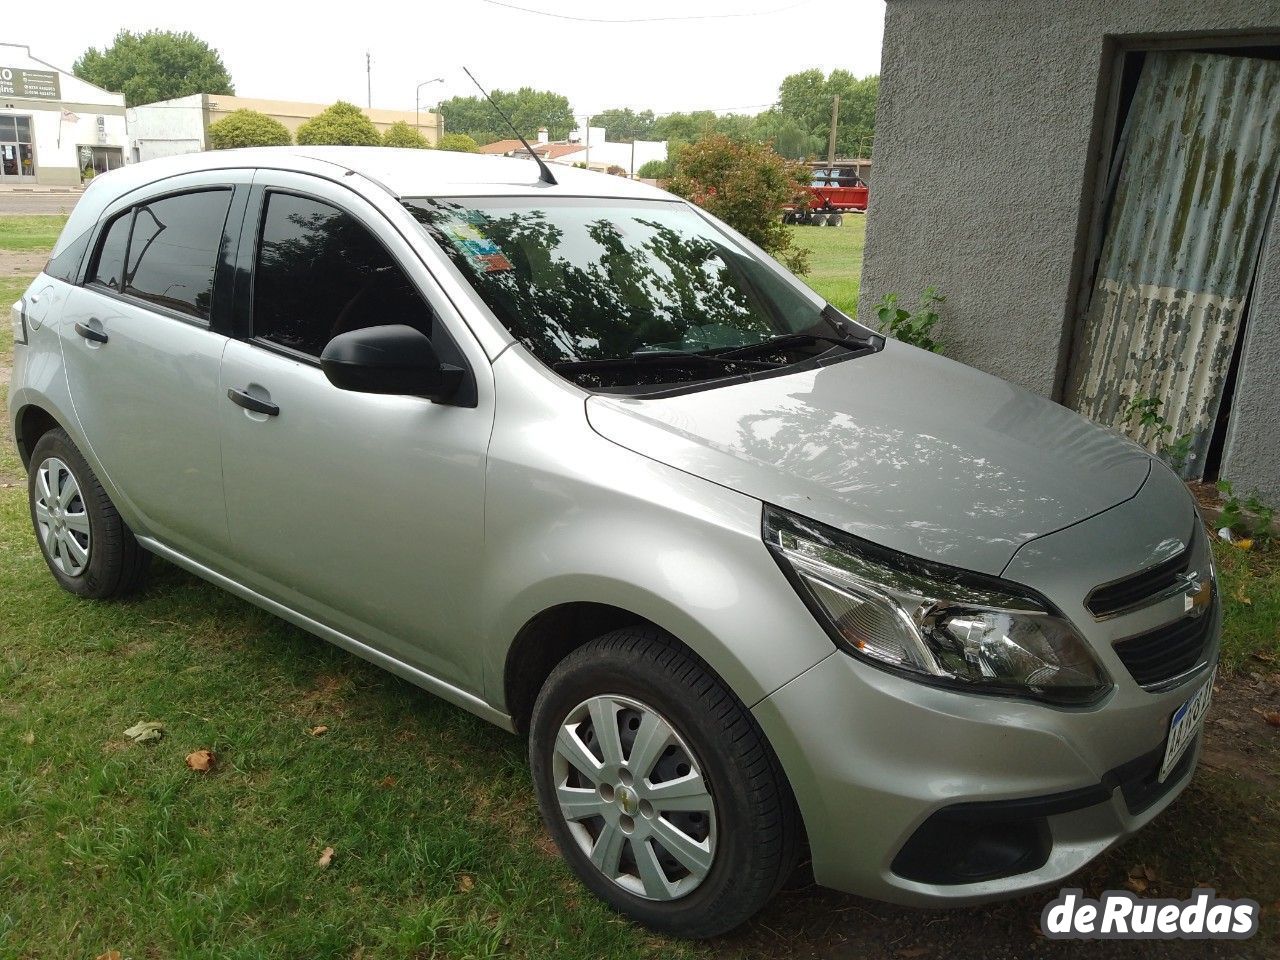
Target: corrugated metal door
(1197, 179)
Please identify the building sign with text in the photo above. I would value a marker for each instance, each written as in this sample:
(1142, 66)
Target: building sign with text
(31, 84)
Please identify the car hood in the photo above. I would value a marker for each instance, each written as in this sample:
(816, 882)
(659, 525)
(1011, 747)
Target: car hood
(901, 447)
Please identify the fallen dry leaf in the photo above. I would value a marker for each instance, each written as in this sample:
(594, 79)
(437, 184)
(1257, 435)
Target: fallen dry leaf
(1241, 597)
(319, 731)
(109, 955)
(1245, 544)
(1272, 717)
(147, 731)
(201, 760)
(387, 782)
(29, 737)
(326, 858)
(466, 882)
(1136, 884)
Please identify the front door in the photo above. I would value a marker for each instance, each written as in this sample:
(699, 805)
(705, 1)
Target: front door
(362, 511)
(17, 149)
(142, 362)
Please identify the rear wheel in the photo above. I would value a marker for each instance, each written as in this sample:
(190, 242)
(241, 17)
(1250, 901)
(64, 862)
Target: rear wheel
(658, 786)
(835, 220)
(87, 547)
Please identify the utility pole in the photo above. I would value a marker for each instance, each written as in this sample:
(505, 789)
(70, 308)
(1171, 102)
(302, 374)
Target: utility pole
(587, 155)
(831, 140)
(368, 77)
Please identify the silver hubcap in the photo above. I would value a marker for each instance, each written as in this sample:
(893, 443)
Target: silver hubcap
(634, 798)
(61, 520)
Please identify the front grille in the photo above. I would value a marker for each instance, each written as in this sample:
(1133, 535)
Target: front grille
(1114, 598)
(1162, 654)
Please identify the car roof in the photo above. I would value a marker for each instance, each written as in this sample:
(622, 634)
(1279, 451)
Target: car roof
(404, 172)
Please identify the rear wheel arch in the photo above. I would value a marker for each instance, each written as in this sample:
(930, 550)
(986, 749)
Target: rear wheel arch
(32, 422)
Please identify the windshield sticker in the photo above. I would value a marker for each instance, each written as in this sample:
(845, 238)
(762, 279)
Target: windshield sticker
(476, 247)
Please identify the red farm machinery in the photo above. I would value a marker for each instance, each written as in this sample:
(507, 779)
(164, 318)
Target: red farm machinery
(834, 190)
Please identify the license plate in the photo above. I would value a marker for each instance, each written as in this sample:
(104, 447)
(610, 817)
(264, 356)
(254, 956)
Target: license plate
(1184, 727)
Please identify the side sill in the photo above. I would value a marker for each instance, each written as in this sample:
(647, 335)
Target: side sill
(426, 681)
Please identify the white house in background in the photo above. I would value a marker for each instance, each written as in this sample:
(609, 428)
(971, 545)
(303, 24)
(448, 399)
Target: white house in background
(53, 125)
(589, 147)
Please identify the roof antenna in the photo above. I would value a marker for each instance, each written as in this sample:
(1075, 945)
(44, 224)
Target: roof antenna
(545, 174)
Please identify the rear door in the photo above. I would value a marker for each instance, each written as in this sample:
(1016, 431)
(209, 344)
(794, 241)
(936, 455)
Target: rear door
(142, 348)
(362, 511)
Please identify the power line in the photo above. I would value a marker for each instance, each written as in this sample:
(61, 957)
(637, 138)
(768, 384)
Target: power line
(696, 16)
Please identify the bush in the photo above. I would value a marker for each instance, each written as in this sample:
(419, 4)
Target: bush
(654, 170)
(248, 128)
(459, 143)
(343, 124)
(400, 134)
(746, 185)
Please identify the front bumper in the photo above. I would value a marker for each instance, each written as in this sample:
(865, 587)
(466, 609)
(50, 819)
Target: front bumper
(875, 758)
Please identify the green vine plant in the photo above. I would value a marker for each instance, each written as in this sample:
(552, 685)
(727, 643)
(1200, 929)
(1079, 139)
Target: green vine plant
(1248, 517)
(913, 327)
(1144, 413)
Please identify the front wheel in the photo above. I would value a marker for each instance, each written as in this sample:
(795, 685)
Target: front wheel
(659, 787)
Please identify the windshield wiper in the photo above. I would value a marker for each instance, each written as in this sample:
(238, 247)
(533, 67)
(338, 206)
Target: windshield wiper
(659, 358)
(784, 340)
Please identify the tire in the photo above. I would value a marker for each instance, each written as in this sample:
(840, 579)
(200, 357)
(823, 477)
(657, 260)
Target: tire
(113, 563)
(835, 220)
(743, 847)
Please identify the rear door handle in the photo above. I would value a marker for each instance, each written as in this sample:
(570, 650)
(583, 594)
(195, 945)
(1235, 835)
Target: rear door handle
(97, 336)
(247, 400)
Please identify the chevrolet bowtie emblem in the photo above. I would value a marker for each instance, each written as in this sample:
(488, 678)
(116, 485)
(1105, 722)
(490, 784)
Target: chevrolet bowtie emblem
(1199, 593)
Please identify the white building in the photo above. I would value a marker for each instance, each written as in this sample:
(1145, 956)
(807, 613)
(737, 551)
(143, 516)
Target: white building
(589, 148)
(55, 129)
(599, 153)
(181, 125)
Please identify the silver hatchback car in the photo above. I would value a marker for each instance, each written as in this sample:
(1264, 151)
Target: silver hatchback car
(758, 584)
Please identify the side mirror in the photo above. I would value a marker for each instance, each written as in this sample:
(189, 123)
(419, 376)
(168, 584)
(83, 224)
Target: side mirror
(394, 358)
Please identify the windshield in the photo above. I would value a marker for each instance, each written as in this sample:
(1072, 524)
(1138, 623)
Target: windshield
(582, 280)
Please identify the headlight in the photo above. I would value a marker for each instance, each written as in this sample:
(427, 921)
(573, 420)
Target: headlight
(938, 623)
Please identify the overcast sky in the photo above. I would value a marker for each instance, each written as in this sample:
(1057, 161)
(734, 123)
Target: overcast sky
(316, 51)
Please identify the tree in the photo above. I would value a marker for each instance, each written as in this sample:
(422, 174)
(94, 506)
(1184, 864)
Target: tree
(401, 134)
(686, 127)
(343, 124)
(157, 65)
(788, 137)
(745, 185)
(806, 99)
(248, 128)
(528, 109)
(459, 143)
(624, 125)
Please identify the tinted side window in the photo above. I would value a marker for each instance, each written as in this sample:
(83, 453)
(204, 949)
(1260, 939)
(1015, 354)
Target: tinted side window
(109, 268)
(320, 272)
(174, 250)
(66, 265)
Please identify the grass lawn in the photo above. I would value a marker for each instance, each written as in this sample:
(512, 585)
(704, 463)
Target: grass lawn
(109, 845)
(30, 232)
(835, 262)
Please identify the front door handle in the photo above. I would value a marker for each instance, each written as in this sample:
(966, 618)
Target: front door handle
(247, 400)
(97, 336)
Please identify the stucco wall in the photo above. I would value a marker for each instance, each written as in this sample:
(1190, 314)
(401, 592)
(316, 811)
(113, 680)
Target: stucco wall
(986, 152)
(1250, 460)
